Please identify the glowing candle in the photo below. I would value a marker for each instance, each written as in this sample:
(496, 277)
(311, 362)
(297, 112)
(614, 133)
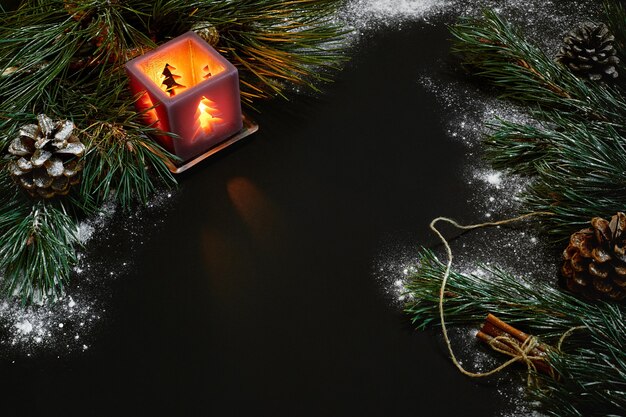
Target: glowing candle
(194, 92)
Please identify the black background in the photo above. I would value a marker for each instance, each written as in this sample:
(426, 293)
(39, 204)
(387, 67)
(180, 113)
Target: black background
(257, 295)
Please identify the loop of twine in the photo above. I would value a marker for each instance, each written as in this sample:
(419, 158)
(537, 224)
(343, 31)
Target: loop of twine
(520, 353)
(566, 335)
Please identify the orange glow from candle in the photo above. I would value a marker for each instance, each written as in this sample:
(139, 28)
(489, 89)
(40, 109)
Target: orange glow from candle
(150, 115)
(180, 68)
(208, 115)
(262, 216)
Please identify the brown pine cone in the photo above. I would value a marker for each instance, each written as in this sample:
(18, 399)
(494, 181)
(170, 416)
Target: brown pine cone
(595, 260)
(589, 51)
(207, 31)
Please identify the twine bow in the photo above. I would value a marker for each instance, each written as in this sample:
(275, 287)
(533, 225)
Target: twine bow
(520, 353)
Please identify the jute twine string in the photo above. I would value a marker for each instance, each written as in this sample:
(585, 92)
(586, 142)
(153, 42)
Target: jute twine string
(518, 353)
(566, 335)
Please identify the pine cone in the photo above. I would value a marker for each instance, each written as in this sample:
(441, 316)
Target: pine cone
(77, 12)
(45, 157)
(595, 260)
(589, 51)
(207, 31)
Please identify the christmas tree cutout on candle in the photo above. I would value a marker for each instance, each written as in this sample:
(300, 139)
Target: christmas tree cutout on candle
(207, 70)
(208, 116)
(169, 81)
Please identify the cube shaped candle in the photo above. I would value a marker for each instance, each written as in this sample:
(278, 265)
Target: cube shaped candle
(189, 89)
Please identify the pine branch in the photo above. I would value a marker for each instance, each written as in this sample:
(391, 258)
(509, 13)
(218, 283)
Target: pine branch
(519, 147)
(498, 52)
(577, 169)
(36, 246)
(45, 49)
(33, 55)
(594, 373)
(592, 366)
(126, 162)
(275, 43)
(574, 150)
(544, 309)
(12, 203)
(37, 253)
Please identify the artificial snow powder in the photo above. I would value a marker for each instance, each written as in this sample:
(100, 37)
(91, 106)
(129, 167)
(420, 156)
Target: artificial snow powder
(494, 178)
(67, 324)
(24, 327)
(544, 20)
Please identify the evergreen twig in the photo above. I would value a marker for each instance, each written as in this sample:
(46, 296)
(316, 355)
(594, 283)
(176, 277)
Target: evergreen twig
(497, 51)
(592, 365)
(575, 152)
(37, 253)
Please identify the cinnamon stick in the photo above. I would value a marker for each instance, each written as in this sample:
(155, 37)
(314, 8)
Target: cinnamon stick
(494, 328)
(510, 330)
(496, 331)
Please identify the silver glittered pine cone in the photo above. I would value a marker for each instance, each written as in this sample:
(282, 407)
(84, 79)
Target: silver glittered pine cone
(589, 51)
(207, 31)
(595, 260)
(45, 157)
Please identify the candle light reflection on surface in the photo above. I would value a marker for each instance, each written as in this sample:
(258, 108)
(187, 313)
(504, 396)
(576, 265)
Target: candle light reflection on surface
(256, 210)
